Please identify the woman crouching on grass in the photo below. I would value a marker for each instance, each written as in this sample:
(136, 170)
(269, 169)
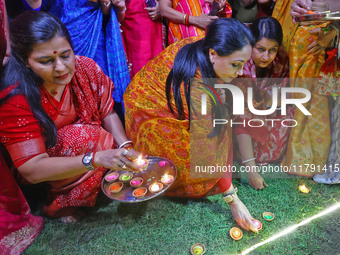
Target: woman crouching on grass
(56, 116)
(166, 94)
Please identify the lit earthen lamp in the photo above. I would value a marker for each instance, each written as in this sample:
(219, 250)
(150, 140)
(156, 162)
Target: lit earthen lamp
(167, 179)
(142, 162)
(155, 187)
(304, 189)
(236, 233)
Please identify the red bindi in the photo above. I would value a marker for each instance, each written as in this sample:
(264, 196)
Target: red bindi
(55, 52)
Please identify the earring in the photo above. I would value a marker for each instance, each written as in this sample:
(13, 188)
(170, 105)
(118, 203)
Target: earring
(212, 60)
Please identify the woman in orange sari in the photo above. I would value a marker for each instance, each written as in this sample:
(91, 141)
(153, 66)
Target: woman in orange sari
(163, 95)
(56, 116)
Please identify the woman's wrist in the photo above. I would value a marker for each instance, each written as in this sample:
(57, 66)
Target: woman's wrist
(94, 163)
(125, 144)
(230, 194)
(186, 18)
(235, 201)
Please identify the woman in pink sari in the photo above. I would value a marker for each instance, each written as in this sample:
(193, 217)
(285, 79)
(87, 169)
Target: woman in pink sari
(142, 33)
(56, 116)
(191, 17)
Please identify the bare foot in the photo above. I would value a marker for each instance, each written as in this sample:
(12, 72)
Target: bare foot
(73, 218)
(256, 181)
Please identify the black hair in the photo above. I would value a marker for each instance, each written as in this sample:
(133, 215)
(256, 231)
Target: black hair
(26, 30)
(224, 36)
(267, 27)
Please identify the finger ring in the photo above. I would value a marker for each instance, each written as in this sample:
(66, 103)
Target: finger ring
(125, 152)
(124, 166)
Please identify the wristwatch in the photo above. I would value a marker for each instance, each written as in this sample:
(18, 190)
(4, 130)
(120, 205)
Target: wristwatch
(229, 197)
(87, 161)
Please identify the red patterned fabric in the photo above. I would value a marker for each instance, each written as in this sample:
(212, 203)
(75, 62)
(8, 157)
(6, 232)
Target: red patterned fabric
(270, 140)
(18, 228)
(85, 102)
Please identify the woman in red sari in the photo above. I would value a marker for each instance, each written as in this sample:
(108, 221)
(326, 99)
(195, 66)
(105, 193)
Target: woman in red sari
(56, 116)
(267, 68)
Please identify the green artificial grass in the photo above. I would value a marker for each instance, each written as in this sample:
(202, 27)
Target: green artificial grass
(171, 226)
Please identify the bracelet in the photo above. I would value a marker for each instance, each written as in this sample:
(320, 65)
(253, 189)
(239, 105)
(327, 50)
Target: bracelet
(229, 197)
(124, 143)
(92, 160)
(248, 160)
(231, 193)
(184, 18)
(187, 20)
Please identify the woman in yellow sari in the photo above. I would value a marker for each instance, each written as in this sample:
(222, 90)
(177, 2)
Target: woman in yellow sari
(310, 140)
(161, 99)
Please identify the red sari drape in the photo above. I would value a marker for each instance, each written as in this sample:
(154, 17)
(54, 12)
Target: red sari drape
(18, 228)
(269, 141)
